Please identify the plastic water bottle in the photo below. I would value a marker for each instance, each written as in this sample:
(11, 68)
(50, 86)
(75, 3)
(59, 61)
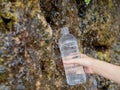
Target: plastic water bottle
(68, 45)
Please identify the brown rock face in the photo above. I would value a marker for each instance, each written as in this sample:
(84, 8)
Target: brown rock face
(29, 33)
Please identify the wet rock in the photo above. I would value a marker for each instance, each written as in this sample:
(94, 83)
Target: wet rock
(1, 52)
(20, 87)
(21, 43)
(81, 8)
(91, 82)
(28, 40)
(4, 87)
(2, 69)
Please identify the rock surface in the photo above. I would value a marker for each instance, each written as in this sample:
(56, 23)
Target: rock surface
(29, 33)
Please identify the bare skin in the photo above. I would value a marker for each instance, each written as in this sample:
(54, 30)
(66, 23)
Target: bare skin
(94, 66)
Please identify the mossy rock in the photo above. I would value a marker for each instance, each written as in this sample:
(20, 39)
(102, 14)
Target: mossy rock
(104, 55)
(3, 78)
(100, 38)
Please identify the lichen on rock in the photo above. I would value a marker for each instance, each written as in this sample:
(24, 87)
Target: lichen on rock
(23, 31)
(29, 33)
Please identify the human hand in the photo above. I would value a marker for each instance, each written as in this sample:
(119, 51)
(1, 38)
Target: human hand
(98, 67)
(84, 61)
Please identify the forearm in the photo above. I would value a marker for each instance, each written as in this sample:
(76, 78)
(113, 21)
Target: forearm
(106, 70)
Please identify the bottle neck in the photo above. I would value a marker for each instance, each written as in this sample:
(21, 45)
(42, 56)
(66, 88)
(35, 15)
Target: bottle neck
(65, 34)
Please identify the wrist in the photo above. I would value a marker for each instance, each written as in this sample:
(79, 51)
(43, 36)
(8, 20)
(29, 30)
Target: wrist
(93, 64)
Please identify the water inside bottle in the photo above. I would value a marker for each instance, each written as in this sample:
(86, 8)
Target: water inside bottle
(74, 72)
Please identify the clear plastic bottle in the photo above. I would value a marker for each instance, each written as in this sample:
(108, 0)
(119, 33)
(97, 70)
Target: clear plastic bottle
(68, 45)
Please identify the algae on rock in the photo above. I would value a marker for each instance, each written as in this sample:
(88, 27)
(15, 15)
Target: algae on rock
(29, 31)
(26, 46)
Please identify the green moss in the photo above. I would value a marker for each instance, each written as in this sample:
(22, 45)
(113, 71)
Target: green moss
(3, 77)
(110, 4)
(7, 15)
(105, 38)
(18, 4)
(104, 56)
(100, 55)
(87, 2)
(117, 52)
(1, 20)
(8, 20)
(1, 60)
(99, 32)
(98, 25)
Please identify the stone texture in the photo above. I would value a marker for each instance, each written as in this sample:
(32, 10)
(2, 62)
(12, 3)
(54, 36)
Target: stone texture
(29, 33)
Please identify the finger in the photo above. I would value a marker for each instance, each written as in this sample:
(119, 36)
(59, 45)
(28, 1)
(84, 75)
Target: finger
(72, 56)
(86, 70)
(68, 57)
(75, 54)
(72, 61)
(81, 55)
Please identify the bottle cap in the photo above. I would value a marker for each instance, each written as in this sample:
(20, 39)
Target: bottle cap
(64, 31)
